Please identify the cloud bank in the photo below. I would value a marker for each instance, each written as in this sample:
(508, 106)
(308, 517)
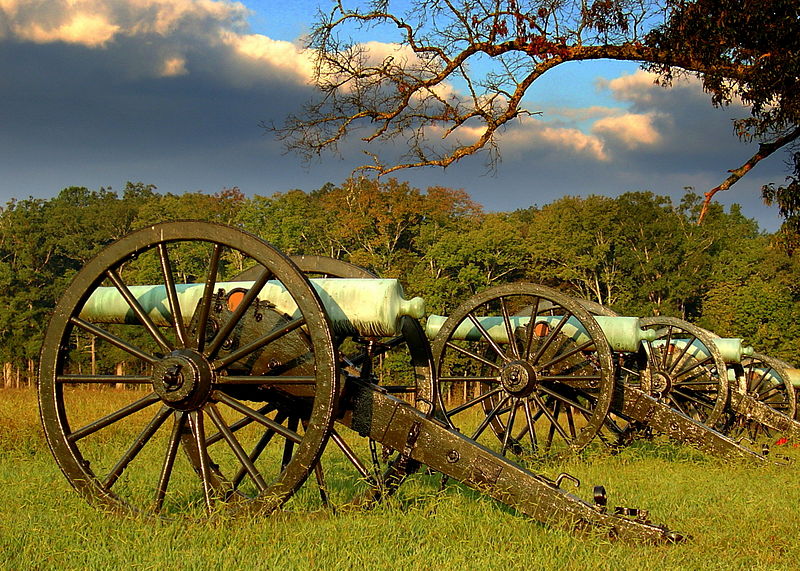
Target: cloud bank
(172, 92)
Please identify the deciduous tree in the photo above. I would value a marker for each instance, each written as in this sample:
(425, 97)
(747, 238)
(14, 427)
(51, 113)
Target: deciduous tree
(463, 68)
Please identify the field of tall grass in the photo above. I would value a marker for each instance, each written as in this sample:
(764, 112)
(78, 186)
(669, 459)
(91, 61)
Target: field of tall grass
(739, 516)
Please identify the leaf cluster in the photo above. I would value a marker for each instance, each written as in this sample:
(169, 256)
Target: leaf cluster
(639, 253)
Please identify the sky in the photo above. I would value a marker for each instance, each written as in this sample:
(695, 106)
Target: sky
(173, 93)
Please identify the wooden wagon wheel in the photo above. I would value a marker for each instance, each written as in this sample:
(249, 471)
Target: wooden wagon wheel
(542, 366)
(766, 380)
(381, 474)
(123, 453)
(360, 358)
(686, 370)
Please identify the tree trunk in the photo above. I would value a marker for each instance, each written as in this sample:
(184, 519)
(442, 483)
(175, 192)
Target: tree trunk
(120, 370)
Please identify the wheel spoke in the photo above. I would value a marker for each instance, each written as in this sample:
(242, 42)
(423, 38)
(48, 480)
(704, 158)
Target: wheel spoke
(509, 328)
(238, 425)
(141, 440)
(509, 425)
(114, 340)
(319, 476)
(265, 380)
(472, 355)
(763, 377)
(353, 458)
(169, 459)
(172, 295)
(571, 422)
(258, 417)
(487, 337)
(553, 419)
(259, 447)
(208, 297)
(693, 367)
(568, 354)
(196, 422)
(531, 421)
(531, 329)
(105, 379)
(259, 343)
(236, 447)
(666, 347)
(110, 419)
(469, 379)
(681, 355)
(137, 308)
(288, 446)
(693, 398)
(770, 393)
(678, 405)
(473, 402)
(488, 418)
(568, 401)
(223, 334)
(568, 378)
(551, 337)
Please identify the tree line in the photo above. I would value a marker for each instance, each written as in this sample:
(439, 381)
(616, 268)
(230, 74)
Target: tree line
(638, 253)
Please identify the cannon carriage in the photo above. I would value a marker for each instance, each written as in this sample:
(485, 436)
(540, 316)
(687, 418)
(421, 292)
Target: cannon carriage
(717, 381)
(252, 384)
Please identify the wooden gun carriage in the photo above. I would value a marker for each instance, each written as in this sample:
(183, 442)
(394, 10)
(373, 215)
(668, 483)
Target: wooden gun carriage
(248, 377)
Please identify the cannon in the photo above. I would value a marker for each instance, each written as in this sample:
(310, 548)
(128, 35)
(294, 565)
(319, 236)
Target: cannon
(545, 380)
(236, 397)
(742, 390)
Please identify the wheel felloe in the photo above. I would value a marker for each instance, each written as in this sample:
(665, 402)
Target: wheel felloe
(532, 371)
(159, 411)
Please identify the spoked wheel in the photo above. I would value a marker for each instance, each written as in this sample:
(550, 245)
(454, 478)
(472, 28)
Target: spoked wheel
(538, 369)
(685, 369)
(402, 365)
(618, 430)
(355, 471)
(137, 365)
(768, 381)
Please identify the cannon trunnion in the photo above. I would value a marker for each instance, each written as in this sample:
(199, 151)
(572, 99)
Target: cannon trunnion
(239, 395)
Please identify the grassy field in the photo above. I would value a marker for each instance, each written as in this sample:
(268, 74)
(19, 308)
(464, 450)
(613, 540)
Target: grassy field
(739, 517)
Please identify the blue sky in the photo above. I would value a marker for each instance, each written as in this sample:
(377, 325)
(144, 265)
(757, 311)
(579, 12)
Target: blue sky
(171, 92)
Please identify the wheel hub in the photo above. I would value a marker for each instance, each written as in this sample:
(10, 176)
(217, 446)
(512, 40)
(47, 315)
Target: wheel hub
(183, 379)
(660, 383)
(518, 378)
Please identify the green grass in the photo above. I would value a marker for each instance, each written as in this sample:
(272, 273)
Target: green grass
(740, 517)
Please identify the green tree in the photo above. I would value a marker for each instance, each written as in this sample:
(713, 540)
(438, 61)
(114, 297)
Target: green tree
(574, 241)
(741, 49)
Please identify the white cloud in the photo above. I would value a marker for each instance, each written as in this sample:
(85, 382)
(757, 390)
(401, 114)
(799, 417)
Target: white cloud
(530, 135)
(538, 135)
(174, 66)
(85, 23)
(633, 130)
(280, 55)
(95, 22)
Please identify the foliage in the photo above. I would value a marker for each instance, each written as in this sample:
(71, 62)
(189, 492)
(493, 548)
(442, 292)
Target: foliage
(460, 71)
(639, 253)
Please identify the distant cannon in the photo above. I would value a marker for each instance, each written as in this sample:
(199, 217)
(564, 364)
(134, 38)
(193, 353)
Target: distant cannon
(557, 385)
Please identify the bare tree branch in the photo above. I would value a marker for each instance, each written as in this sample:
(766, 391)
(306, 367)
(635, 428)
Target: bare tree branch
(764, 150)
